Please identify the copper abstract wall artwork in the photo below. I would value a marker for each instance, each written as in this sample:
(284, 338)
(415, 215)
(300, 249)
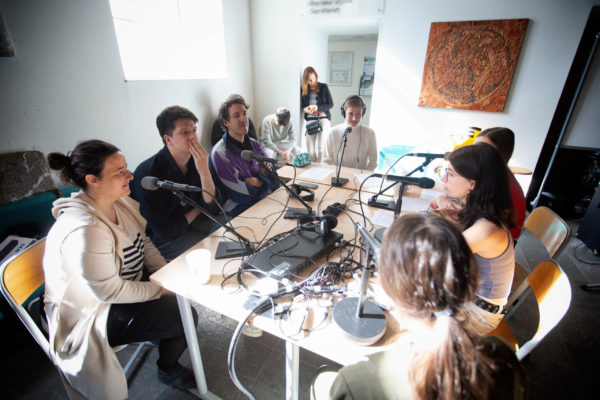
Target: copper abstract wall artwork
(470, 64)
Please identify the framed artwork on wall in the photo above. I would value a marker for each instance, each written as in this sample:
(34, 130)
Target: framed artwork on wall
(470, 64)
(340, 68)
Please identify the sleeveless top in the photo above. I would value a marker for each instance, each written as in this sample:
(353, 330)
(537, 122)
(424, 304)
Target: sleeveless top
(496, 274)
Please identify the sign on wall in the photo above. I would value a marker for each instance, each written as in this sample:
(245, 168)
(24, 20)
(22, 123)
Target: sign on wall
(340, 68)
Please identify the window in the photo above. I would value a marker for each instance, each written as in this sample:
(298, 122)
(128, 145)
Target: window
(170, 39)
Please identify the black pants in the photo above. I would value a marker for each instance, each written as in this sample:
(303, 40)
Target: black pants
(151, 320)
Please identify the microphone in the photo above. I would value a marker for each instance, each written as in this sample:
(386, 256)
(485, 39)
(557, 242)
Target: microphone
(336, 180)
(373, 243)
(425, 183)
(430, 155)
(249, 156)
(152, 183)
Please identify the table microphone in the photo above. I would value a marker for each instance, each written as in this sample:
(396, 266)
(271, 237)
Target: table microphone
(249, 156)
(430, 155)
(336, 180)
(152, 183)
(425, 183)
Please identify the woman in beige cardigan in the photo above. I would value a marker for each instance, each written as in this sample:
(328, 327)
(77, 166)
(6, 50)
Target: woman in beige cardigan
(96, 265)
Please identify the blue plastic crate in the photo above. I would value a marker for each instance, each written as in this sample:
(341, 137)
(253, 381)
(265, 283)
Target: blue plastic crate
(389, 154)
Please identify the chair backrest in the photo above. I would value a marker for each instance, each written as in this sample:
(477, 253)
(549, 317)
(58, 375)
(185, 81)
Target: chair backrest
(552, 291)
(20, 276)
(549, 228)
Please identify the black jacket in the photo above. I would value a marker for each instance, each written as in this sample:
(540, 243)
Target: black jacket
(324, 101)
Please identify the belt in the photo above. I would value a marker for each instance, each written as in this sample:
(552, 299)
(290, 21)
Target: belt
(487, 306)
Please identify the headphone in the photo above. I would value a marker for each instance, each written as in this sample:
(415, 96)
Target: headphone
(322, 225)
(354, 96)
(297, 189)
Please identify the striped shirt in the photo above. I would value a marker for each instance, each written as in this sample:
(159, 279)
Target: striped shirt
(132, 245)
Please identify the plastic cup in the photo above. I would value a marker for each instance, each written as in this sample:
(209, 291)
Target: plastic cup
(198, 261)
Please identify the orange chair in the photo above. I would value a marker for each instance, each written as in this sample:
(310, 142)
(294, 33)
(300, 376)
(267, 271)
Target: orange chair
(551, 230)
(20, 277)
(552, 290)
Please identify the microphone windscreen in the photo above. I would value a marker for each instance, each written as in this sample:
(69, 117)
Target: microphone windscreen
(331, 220)
(247, 155)
(149, 182)
(426, 183)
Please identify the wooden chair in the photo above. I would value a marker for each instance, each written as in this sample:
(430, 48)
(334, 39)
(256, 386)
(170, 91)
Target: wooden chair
(551, 230)
(20, 277)
(552, 291)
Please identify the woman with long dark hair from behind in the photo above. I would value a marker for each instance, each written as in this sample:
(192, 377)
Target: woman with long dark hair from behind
(477, 200)
(96, 263)
(427, 269)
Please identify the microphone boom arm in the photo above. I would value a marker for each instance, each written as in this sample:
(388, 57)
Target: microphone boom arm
(373, 199)
(246, 245)
(295, 195)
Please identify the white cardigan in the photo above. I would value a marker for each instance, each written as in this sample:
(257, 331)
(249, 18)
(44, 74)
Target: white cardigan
(82, 262)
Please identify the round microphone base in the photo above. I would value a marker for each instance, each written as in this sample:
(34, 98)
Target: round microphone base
(365, 330)
(379, 234)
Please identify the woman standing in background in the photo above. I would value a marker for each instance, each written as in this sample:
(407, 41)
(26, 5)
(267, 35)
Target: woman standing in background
(316, 102)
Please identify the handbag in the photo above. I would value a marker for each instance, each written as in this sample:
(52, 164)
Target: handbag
(313, 127)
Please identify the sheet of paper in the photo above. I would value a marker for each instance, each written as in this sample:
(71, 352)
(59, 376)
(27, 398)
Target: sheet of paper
(318, 174)
(414, 204)
(383, 218)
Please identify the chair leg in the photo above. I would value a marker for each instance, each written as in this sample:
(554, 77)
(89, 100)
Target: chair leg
(133, 357)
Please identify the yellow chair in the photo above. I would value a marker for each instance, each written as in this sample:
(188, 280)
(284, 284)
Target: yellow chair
(552, 290)
(20, 276)
(551, 230)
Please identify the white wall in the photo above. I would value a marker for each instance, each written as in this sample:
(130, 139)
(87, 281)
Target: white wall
(360, 49)
(552, 37)
(276, 57)
(66, 85)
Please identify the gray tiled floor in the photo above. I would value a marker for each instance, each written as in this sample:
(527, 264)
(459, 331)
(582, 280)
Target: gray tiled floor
(564, 365)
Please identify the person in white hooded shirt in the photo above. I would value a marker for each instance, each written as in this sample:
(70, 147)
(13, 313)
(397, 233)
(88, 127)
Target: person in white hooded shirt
(360, 151)
(96, 265)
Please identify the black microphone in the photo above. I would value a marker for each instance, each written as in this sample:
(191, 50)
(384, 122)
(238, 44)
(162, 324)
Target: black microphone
(336, 180)
(249, 156)
(152, 183)
(430, 155)
(373, 243)
(425, 183)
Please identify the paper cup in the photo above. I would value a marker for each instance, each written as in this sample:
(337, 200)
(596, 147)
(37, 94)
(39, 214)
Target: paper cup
(198, 261)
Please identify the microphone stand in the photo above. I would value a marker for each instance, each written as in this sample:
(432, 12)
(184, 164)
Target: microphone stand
(389, 204)
(337, 181)
(359, 318)
(291, 212)
(225, 249)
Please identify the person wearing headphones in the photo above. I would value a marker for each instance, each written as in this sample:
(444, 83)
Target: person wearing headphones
(361, 145)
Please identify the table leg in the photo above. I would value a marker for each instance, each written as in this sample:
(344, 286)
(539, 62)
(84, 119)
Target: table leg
(193, 347)
(292, 370)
